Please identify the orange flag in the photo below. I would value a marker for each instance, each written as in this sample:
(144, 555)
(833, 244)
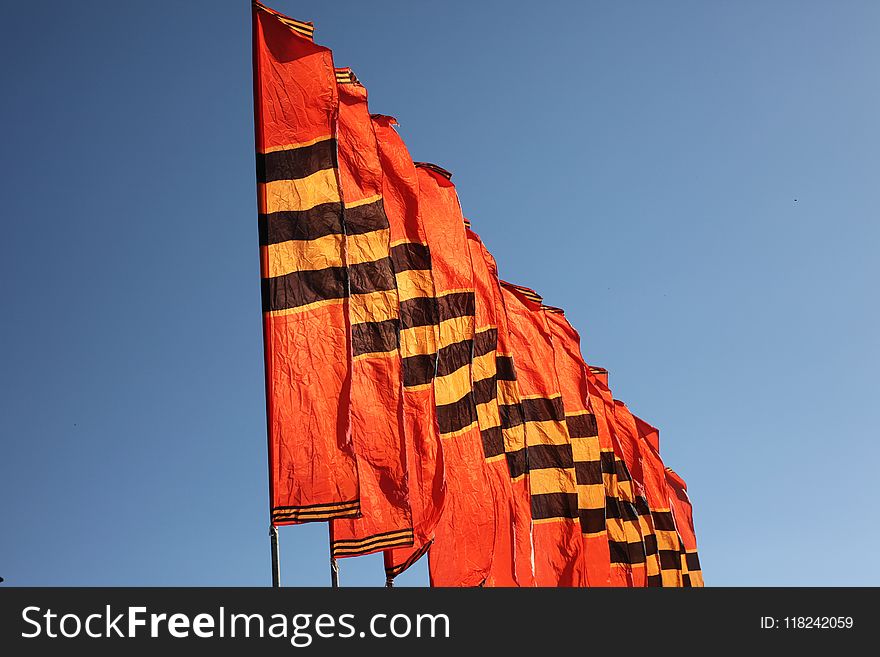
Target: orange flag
(377, 424)
(684, 521)
(461, 554)
(419, 335)
(628, 440)
(626, 547)
(485, 374)
(313, 473)
(586, 450)
(556, 535)
(657, 492)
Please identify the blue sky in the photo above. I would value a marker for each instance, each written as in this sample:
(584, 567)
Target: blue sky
(696, 183)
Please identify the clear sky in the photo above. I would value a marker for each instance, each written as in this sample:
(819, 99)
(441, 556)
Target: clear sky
(695, 182)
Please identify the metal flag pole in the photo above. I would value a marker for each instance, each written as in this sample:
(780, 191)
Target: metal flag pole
(276, 564)
(334, 567)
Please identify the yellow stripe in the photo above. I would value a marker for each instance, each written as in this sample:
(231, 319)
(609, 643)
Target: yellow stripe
(301, 194)
(489, 414)
(545, 521)
(418, 341)
(364, 201)
(547, 432)
(585, 449)
(373, 307)
(455, 330)
(290, 147)
(287, 257)
(484, 366)
(508, 392)
(367, 247)
(552, 480)
(305, 308)
(452, 387)
(415, 284)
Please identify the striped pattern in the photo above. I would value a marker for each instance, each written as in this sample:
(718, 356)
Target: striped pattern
(346, 76)
(302, 231)
(302, 28)
(375, 543)
(433, 167)
(315, 512)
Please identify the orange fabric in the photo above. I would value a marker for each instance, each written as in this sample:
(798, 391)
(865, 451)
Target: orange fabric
(628, 440)
(485, 374)
(627, 550)
(684, 521)
(412, 264)
(586, 451)
(558, 545)
(376, 388)
(461, 554)
(313, 474)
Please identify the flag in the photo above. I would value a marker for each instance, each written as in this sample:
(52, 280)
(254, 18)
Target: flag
(657, 493)
(627, 435)
(312, 468)
(558, 545)
(626, 548)
(377, 425)
(461, 554)
(585, 447)
(419, 334)
(485, 376)
(684, 520)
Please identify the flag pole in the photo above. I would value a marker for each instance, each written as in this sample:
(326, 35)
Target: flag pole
(258, 123)
(276, 564)
(334, 567)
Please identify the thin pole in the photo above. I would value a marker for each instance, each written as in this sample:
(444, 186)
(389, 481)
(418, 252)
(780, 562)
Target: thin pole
(276, 564)
(334, 573)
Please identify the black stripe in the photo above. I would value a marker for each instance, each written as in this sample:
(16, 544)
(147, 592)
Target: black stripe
(511, 415)
(485, 390)
(365, 218)
(319, 221)
(607, 462)
(375, 276)
(419, 370)
(650, 544)
(296, 163)
(517, 463)
(592, 520)
(540, 409)
(616, 508)
(457, 304)
(641, 505)
(419, 311)
(300, 288)
(663, 521)
(374, 337)
(588, 472)
(506, 370)
(485, 342)
(453, 357)
(582, 426)
(621, 470)
(693, 561)
(550, 456)
(655, 581)
(493, 442)
(686, 581)
(410, 256)
(619, 551)
(457, 415)
(636, 552)
(554, 505)
(670, 560)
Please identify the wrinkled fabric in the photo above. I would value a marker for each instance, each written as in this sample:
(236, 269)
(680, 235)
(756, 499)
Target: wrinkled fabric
(313, 472)
(377, 413)
(556, 535)
(586, 450)
(464, 539)
(485, 374)
(419, 335)
(692, 574)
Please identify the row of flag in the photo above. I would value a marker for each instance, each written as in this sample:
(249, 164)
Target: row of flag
(416, 402)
